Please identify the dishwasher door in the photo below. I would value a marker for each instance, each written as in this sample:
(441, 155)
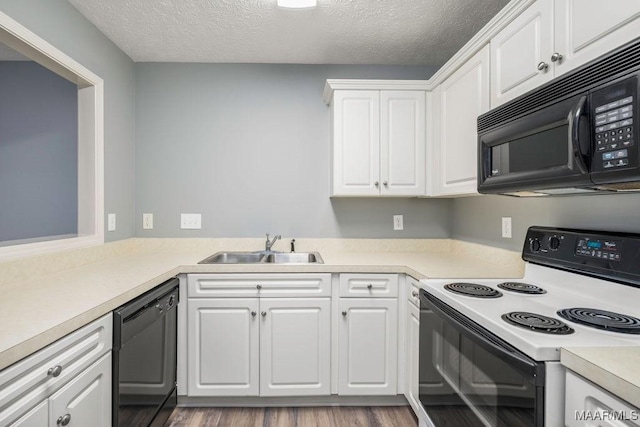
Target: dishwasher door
(144, 362)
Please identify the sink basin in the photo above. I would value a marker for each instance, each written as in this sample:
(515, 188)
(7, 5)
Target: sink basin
(294, 258)
(263, 257)
(234, 258)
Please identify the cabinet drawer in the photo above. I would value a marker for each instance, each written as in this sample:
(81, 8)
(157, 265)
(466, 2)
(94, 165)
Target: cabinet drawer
(258, 285)
(30, 378)
(369, 285)
(414, 291)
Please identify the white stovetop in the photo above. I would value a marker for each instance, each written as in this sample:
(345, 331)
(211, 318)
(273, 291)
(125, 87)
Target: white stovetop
(564, 290)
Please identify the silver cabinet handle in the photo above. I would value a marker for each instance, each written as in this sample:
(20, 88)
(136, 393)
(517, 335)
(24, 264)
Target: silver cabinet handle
(263, 314)
(369, 286)
(542, 66)
(415, 294)
(377, 184)
(344, 313)
(385, 183)
(253, 314)
(64, 420)
(55, 371)
(556, 57)
(258, 287)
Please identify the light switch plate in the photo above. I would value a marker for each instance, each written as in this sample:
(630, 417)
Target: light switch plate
(398, 222)
(147, 221)
(111, 222)
(190, 221)
(506, 227)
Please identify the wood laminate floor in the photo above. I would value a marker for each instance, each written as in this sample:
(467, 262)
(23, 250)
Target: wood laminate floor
(378, 416)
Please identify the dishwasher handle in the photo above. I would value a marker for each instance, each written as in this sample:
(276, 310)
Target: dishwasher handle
(135, 316)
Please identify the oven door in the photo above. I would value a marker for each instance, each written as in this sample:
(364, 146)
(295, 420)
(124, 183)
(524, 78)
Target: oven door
(545, 150)
(468, 377)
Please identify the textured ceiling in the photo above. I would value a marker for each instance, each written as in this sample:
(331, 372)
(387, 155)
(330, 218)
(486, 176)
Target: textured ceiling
(407, 32)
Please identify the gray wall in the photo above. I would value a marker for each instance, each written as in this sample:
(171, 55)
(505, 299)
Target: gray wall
(247, 146)
(64, 27)
(38, 152)
(478, 219)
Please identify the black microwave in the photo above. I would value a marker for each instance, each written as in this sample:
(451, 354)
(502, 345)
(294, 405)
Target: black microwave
(577, 134)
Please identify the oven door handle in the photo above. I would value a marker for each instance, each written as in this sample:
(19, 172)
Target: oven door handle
(574, 134)
(488, 341)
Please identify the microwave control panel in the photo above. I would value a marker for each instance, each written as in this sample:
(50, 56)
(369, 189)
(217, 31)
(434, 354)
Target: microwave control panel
(615, 127)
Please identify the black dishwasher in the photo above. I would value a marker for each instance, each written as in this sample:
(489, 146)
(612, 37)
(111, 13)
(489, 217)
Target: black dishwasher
(144, 358)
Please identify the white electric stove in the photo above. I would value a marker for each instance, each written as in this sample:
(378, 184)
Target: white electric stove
(489, 348)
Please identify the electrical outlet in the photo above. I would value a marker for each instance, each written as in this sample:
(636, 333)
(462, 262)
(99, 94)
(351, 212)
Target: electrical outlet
(147, 221)
(398, 222)
(190, 221)
(506, 227)
(111, 222)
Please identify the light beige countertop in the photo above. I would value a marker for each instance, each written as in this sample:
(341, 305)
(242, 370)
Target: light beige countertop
(616, 371)
(48, 296)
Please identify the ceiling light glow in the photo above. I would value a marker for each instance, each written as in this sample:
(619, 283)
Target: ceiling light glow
(297, 4)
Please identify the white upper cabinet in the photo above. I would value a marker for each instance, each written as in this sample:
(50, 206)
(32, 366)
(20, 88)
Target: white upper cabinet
(378, 139)
(520, 53)
(552, 37)
(402, 142)
(586, 29)
(463, 97)
(356, 143)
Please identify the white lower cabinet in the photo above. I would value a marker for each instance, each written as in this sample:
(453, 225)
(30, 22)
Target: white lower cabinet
(66, 383)
(223, 354)
(412, 360)
(259, 346)
(86, 400)
(368, 346)
(295, 347)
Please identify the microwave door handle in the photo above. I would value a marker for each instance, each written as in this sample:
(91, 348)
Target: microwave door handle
(574, 133)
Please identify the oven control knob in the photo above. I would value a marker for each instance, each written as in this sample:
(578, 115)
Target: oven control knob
(554, 243)
(534, 245)
(172, 300)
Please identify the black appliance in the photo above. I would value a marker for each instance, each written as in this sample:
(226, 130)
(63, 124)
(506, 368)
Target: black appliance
(453, 349)
(577, 134)
(145, 357)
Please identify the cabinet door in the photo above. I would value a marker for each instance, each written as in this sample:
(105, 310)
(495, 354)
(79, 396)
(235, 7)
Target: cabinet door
(518, 49)
(368, 346)
(37, 417)
(586, 29)
(464, 96)
(356, 143)
(413, 361)
(86, 400)
(295, 347)
(223, 347)
(402, 143)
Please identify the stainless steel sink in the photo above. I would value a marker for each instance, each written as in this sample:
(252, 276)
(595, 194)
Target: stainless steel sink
(264, 257)
(294, 258)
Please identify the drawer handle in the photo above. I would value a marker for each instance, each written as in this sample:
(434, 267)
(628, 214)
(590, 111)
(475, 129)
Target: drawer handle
(64, 420)
(55, 371)
(369, 286)
(415, 294)
(253, 314)
(344, 313)
(263, 314)
(258, 287)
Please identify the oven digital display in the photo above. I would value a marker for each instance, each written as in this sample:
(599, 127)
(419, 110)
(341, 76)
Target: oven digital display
(606, 250)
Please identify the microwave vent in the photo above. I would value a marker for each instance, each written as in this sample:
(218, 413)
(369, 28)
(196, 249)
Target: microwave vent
(600, 70)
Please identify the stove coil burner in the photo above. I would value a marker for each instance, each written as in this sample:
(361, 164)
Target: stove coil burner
(473, 290)
(523, 288)
(537, 322)
(601, 319)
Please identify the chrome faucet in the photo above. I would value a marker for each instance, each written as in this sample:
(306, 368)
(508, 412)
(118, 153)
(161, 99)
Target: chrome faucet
(268, 244)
